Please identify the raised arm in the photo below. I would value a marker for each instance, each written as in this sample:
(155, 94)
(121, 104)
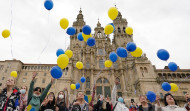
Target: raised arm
(44, 93)
(93, 96)
(66, 98)
(114, 93)
(30, 92)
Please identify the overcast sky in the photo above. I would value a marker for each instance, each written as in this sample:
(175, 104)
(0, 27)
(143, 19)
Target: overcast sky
(157, 24)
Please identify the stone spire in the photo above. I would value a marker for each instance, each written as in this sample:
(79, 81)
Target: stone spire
(80, 16)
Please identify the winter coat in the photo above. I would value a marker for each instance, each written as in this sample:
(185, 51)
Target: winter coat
(22, 102)
(120, 107)
(117, 106)
(98, 107)
(150, 107)
(48, 107)
(36, 101)
(13, 100)
(62, 106)
(170, 108)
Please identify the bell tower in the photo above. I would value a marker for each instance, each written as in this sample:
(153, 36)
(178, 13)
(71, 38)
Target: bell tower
(120, 37)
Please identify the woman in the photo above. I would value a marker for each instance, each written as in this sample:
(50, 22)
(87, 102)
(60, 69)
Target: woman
(9, 97)
(23, 98)
(102, 105)
(145, 106)
(62, 102)
(35, 97)
(80, 104)
(49, 103)
(170, 104)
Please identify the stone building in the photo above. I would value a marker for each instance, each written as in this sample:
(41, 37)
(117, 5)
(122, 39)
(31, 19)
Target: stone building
(136, 75)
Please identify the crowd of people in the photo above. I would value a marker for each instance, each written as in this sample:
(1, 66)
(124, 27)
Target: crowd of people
(13, 99)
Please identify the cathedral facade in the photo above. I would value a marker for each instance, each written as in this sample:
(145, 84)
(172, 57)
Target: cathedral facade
(136, 75)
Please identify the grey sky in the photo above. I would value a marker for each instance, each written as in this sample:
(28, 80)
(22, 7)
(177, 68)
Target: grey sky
(156, 23)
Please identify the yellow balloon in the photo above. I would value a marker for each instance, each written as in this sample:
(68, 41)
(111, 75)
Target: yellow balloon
(6, 33)
(64, 23)
(108, 29)
(79, 65)
(73, 86)
(129, 30)
(108, 63)
(69, 53)
(137, 53)
(112, 13)
(86, 36)
(174, 87)
(63, 61)
(14, 74)
(29, 107)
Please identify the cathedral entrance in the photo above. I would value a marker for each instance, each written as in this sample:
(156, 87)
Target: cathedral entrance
(103, 87)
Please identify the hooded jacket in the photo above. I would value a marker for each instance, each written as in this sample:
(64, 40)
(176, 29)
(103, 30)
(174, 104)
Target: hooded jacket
(36, 101)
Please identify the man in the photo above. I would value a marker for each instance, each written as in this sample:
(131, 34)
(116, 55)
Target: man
(187, 105)
(145, 106)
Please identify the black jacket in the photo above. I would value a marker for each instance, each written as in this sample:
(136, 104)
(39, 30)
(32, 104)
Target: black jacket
(150, 107)
(49, 107)
(98, 107)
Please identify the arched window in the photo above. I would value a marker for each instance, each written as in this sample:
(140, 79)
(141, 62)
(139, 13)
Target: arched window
(80, 30)
(87, 82)
(119, 85)
(145, 70)
(103, 88)
(87, 65)
(119, 30)
(142, 71)
(124, 29)
(99, 81)
(101, 63)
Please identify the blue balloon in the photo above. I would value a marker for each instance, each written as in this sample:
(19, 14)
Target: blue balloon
(172, 66)
(91, 41)
(32, 109)
(131, 46)
(77, 85)
(71, 31)
(48, 4)
(86, 29)
(86, 98)
(80, 37)
(120, 99)
(151, 96)
(121, 52)
(163, 54)
(56, 72)
(59, 52)
(82, 79)
(112, 25)
(166, 86)
(113, 56)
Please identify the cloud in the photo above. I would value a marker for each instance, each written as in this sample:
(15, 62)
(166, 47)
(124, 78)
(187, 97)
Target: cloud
(156, 24)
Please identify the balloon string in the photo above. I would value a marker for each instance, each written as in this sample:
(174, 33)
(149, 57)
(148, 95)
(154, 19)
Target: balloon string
(48, 39)
(11, 2)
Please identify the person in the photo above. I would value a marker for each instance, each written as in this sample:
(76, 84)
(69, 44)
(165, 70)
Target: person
(62, 102)
(145, 106)
(170, 104)
(102, 105)
(133, 106)
(23, 98)
(35, 97)
(187, 105)
(49, 103)
(117, 106)
(80, 104)
(10, 96)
